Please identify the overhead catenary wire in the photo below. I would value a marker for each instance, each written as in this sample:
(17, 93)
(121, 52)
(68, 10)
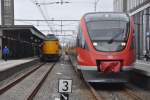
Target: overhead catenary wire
(70, 22)
(56, 2)
(45, 18)
(45, 9)
(42, 13)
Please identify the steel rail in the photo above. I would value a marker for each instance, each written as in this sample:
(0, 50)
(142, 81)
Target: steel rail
(98, 96)
(93, 91)
(36, 89)
(17, 80)
(132, 94)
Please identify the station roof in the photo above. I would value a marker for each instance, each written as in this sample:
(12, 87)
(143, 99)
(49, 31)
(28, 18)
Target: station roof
(31, 28)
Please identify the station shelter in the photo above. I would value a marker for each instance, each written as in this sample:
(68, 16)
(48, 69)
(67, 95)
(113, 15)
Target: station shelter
(22, 40)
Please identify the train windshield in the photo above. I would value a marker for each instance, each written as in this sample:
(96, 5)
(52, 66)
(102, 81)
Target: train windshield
(51, 37)
(108, 35)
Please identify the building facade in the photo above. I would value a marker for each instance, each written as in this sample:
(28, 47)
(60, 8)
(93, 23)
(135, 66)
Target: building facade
(120, 5)
(7, 12)
(6, 17)
(140, 10)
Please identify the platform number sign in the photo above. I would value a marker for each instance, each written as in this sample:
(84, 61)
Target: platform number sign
(64, 96)
(65, 86)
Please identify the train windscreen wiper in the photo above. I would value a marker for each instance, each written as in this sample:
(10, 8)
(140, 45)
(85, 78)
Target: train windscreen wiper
(113, 38)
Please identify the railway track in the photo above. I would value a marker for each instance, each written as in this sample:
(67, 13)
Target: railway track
(26, 86)
(119, 95)
(132, 94)
(123, 94)
(18, 79)
(93, 91)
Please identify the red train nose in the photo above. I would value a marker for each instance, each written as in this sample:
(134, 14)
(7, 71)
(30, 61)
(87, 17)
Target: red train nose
(110, 66)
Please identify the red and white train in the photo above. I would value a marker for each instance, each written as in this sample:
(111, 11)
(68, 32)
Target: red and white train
(104, 43)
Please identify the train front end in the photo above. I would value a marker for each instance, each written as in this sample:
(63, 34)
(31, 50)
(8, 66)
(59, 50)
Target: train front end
(50, 48)
(107, 44)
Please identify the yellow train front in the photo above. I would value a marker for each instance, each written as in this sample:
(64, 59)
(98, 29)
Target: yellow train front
(50, 48)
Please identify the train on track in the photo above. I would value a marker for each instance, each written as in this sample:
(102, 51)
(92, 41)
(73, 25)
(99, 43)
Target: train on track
(104, 46)
(50, 48)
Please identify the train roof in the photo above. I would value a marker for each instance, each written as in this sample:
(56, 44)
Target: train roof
(94, 16)
(51, 37)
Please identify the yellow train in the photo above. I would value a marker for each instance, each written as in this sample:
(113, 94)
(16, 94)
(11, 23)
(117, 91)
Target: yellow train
(50, 48)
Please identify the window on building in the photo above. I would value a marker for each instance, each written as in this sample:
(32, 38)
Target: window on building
(7, 3)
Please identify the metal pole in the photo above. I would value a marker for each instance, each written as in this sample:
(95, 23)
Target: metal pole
(61, 33)
(61, 2)
(95, 4)
(61, 25)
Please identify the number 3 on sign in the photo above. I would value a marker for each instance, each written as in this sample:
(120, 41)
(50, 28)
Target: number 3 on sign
(65, 86)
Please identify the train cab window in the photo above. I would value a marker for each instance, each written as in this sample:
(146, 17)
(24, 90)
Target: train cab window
(108, 35)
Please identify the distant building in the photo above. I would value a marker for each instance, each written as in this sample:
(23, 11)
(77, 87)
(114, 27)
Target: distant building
(6, 17)
(120, 5)
(7, 12)
(140, 10)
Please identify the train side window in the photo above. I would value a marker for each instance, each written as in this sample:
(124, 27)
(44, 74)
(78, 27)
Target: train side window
(81, 40)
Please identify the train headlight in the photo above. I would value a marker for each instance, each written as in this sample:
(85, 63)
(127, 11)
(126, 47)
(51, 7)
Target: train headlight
(95, 43)
(106, 15)
(123, 44)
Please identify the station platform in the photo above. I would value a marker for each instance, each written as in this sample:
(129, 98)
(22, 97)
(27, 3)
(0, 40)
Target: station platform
(5, 65)
(142, 67)
(12, 67)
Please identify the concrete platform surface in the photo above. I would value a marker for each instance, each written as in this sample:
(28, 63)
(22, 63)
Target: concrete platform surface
(5, 65)
(142, 67)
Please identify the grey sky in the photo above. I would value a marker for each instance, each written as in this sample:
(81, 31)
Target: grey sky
(25, 9)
